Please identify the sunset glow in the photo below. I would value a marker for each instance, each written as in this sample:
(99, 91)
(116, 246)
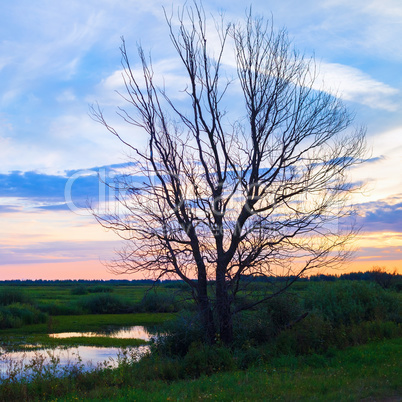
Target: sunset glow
(58, 58)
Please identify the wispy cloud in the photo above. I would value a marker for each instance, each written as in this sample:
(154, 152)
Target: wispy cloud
(379, 253)
(353, 85)
(8, 208)
(382, 216)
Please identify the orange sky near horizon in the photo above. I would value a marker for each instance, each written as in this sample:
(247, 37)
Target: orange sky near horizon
(97, 270)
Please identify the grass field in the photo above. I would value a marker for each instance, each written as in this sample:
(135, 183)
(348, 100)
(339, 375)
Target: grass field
(312, 360)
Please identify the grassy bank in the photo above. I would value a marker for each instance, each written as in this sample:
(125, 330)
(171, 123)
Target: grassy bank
(370, 372)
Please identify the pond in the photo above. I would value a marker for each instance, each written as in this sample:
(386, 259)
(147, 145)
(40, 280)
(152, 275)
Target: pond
(135, 332)
(62, 360)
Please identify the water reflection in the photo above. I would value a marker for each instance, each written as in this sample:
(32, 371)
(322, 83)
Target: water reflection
(64, 359)
(136, 332)
(59, 361)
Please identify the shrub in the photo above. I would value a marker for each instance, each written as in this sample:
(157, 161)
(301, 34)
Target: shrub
(105, 303)
(311, 335)
(154, 302)
(17, 314)
(283, 310)
(9, 296)
(100, 289)
(347, 302)
(248, 357)
(206, 359)
(177, 335)
(359, 334)
(60, 309)
(8, 320)
(154, 367)
(263, 325)
(79, 290)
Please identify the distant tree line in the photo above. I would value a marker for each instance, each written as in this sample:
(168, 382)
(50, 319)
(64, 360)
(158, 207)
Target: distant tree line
(376, 274)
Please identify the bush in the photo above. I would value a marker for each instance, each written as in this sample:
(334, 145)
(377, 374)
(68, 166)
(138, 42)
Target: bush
(61, 309)
(206, 359)
(311, 335)
(283, 310)
(105, 303)
(263, 325)
(154, 302)
(100, 289)
(177, 335)
(364, 332)
(347, 302)
(82, 289)
(9, 296)
(8, 320)
(79, 290)
(15, 315)
(248, 357)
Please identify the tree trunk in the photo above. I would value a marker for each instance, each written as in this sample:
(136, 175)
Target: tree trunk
(223, 309)
(207, 319)
(204, 306)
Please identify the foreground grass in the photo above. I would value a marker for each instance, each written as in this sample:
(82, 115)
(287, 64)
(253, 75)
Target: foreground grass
(371, 371)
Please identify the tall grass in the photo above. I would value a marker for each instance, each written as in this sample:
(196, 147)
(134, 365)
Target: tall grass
(16, 309)
(347, 302)
(154, 302)
(10, 296)
(17, 314)
(105, 303)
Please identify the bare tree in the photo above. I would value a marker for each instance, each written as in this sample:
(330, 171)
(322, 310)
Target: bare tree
(224, 199)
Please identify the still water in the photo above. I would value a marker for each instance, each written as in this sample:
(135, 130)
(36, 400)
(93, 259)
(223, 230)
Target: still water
(136, 332)
(61, 360)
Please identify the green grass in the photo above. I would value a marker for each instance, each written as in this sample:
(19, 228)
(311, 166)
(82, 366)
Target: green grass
(276, 370)
(60, 294)
(371, 371)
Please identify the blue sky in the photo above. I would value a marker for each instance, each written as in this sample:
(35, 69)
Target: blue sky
(56, 58)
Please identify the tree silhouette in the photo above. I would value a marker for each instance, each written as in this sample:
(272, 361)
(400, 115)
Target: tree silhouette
(226, 197)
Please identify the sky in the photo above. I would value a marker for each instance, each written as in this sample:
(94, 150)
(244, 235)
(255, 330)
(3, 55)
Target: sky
(59, 57)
